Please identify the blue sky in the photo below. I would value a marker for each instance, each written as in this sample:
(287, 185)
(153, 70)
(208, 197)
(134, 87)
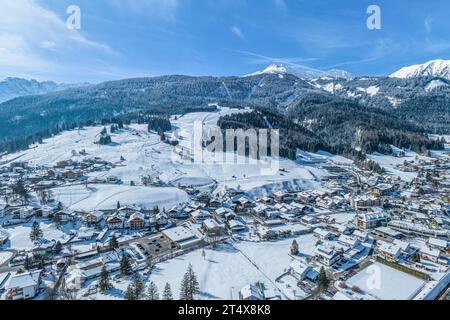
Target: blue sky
(129, 38)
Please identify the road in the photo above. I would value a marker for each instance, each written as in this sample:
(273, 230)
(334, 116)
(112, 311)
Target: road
(5, 266)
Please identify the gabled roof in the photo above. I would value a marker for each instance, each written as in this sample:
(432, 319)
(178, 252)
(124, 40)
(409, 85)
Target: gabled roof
(390, 249)
(430, 252)
(24, 280)
(438, 243)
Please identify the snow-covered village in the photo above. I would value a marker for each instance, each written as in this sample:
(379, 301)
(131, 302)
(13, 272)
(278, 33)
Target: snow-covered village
(129, 220)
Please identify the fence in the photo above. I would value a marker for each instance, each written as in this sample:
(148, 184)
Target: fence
(405, 269)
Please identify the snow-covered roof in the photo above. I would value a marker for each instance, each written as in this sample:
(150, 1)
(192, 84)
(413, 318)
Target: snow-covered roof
(300, 268)
(360, 234)
(371, 217)
(390, 249)
(440, 243)
(322, 232)
(210, 223)
(178, 234)
(24, 280)
(402, 244)
(430, 252)
(251, 292)
(349, 240)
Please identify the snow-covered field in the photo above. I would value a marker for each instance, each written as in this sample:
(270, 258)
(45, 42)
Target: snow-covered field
(226, 269)
(273, 257)
(146, 155)
(389, 163)
(105, 197)
(386, 283)
(221, 274)
(20, 235)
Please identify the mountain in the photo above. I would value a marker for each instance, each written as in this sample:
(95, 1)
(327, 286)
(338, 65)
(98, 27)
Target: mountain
(302, 72)
(434, 68)
(12, 88)
(337, 114)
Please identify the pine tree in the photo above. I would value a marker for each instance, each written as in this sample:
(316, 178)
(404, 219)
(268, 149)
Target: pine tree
(58, 247)
(27, 263)
(322, 280)
(189, 285)
(19, 189)
(152, 292)
(113, 243)
(104, 284)
(129, 294)
(138, 287)
(36, 232)
(57, 220)
(167, 294)
(125, 266)
(184, 289)
(294, 248)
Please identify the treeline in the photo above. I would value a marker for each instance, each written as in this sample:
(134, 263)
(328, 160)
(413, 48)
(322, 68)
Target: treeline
(341, 123)
(291, 135)
(158, 124)
(341, 128)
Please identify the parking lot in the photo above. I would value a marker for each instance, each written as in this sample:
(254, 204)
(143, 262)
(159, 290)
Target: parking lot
(153, 246)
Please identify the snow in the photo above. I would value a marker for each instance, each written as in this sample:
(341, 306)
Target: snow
(20, 235)
(435, 84)
(394, 101)
(372, 90)
(273, 258)
(105, 197)
(5, 256)
(390, 163)
(272, 69)
(436, 68)
(391, 284)
(221, 274)
(227, 269)
(146, 155)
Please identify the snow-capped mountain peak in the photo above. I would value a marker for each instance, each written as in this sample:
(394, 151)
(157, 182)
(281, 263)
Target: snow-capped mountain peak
(300, 71)
(433, 68)
(272, 69)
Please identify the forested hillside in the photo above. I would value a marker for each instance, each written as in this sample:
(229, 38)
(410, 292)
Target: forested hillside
(340, 115)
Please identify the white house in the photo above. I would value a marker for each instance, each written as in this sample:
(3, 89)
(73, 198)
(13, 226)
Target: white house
(348, 240)
(23, 286)
(389, 251)
(250, 292)
(327, 255)
(430, 254)
(299, 270)
(438, 243)
(323, 234)
(199, 216)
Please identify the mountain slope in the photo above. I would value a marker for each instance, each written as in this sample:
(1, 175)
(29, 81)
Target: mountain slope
(302, 72)
(364, 107)
(434, 68)
(27, 116)
(12, 88)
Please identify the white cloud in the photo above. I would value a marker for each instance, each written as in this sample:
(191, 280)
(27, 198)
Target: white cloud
(428, 23)
(280, 4)
(161, 9)
(35, 42)
(256, 58)
(238, 33)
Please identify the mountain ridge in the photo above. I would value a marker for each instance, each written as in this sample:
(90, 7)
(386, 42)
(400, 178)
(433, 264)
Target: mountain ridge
(433, 68)
(13, 87)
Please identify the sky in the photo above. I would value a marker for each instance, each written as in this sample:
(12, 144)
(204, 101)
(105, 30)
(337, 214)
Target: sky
(133, 38)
